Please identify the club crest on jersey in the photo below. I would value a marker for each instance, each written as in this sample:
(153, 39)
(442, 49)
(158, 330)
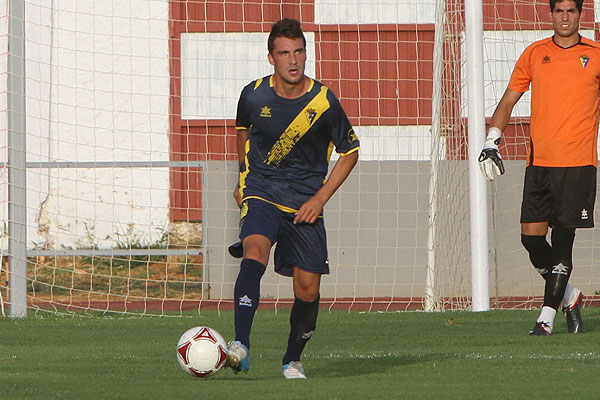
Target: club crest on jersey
(584, 60)
(311, 113)
(265, 112)
(546, 60)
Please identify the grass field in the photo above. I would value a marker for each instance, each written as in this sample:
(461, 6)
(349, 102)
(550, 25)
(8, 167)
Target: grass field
(408, 355)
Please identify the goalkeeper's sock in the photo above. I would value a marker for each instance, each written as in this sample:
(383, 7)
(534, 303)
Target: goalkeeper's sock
(540, 252)
(540, 255)
(303, 322)
(571, 295)
(246, 296)
(547, 317)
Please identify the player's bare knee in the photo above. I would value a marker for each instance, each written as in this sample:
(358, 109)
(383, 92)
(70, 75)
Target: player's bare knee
(306, 293)
(257, 251)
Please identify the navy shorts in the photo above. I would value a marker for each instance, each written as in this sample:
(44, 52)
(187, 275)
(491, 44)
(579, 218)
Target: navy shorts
(563, 196)
(297, 245)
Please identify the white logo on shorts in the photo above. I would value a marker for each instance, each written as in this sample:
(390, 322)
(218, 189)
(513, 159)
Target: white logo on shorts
(584, 214)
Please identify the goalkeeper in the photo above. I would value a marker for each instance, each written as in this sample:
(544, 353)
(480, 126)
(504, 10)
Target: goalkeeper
(287, 125)
(560, 176)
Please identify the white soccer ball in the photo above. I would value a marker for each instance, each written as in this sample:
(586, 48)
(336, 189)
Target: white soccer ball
(201, 351)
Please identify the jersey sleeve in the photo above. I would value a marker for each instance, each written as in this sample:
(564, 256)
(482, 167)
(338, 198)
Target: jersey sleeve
(521, 75)
(342, 133)
(242, 119)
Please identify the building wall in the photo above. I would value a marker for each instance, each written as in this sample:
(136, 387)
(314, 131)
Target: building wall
(377, 228)
(121, 81)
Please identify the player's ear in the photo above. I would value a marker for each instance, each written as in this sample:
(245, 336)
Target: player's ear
(271, 60)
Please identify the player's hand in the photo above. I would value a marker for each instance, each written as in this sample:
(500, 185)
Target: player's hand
(309, 211)
(490, 161)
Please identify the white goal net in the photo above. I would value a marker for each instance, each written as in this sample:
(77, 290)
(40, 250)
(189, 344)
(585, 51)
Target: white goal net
(123, 152)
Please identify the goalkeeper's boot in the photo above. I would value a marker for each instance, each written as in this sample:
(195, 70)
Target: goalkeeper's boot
(294, 370)
(237, 357)
(573, 314)
(540, 329)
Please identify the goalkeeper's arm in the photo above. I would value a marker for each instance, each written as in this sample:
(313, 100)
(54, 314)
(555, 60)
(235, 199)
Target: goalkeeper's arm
(490, 161)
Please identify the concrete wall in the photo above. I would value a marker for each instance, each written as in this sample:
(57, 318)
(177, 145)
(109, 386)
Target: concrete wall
(377, 227)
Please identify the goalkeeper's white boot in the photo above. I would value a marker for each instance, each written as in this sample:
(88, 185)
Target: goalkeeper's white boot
(237, 357)
(573, 314)
(294, 370)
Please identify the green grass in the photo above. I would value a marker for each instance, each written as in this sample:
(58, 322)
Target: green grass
(408, 355)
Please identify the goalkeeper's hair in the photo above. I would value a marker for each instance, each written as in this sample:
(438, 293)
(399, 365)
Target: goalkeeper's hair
(578, 4)
(287, 27)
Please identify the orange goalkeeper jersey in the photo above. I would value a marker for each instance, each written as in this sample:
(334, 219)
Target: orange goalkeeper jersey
(565, 86)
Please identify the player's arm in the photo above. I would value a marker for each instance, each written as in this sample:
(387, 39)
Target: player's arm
(490, 161)
(242, 136)
(311, 209)
(504, 109)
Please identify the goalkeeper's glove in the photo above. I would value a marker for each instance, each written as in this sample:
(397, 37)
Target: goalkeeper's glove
(490, 162)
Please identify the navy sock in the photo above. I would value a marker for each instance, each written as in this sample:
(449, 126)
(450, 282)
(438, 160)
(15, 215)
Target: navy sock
(303, 322)
(246, 296)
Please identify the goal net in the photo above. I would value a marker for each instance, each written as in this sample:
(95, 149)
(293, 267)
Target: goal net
(129, 153)
(509, 27)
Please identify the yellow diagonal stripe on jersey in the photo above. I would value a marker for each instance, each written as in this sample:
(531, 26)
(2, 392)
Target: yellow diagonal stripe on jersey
(298, 128)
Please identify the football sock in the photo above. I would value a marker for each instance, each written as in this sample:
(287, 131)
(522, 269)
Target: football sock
(303, 322)
(570, 296)
(540, 254)
(547, 316)
(559, 273)
(246, 294)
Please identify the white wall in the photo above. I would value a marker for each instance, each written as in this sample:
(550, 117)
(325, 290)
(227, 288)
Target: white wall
(215, 67)
(374, 12)
(97, 90)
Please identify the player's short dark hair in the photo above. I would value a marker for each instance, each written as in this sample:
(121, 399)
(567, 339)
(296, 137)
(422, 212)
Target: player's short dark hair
(287, 27)
(578, 4)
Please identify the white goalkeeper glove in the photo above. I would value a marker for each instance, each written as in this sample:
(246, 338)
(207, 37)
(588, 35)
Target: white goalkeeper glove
(490, 162)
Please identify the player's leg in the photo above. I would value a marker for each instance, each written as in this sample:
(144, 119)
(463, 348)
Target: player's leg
(555, 266)
(301, 253)
(303, 320)
(246, 292)
(533, 237)
(540, 255)
(258, 232)
(562, 251)
(246, 297)
(574, 194)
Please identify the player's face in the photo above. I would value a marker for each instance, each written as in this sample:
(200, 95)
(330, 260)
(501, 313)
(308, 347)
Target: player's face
(565, 19)
(288, 58)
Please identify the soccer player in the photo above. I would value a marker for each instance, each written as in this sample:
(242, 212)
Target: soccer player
(287, 125)
(560, 177)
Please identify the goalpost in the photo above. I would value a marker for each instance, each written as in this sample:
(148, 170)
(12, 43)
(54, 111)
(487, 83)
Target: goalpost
(130, 157)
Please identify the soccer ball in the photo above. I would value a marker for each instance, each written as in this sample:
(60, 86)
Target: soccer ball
(201, 351)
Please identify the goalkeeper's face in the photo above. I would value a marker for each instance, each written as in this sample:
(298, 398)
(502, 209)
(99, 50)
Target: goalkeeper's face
(565, 19)
(289, 58)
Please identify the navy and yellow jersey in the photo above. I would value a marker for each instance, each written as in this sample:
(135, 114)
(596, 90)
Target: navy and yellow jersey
(290, 142)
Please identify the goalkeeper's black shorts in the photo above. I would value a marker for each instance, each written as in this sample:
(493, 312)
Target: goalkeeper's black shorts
(563, 196)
